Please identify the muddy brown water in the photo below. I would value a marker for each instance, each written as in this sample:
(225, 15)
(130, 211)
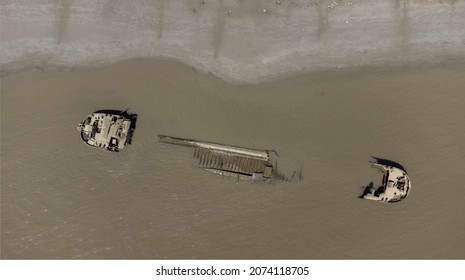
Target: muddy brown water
(61, 199)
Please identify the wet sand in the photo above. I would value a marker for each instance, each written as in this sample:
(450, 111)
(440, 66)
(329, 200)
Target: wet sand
(61, 199)
(235, 39)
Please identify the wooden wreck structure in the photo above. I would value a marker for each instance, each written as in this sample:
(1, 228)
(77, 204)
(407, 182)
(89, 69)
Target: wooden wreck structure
(242, 163)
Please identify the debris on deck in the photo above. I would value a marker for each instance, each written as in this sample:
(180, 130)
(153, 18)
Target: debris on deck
(109, 130)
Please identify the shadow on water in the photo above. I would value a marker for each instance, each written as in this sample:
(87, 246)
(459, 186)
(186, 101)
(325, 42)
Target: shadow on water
(389, 163)
(367, 189)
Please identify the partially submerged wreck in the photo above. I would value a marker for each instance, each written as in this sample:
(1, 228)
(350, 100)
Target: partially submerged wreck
(241, 163)
(109, 130)
(396, 183)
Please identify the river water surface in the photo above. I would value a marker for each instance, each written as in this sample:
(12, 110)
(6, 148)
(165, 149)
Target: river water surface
(61, 199)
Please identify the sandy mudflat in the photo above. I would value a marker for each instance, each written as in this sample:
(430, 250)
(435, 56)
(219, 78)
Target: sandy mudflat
(62, 199)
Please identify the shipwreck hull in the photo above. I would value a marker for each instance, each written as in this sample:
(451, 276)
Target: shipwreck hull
(233, 161)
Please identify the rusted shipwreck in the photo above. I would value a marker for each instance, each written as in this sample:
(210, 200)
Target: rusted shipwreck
(396, 183)
(109, 130)
(241, 163)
